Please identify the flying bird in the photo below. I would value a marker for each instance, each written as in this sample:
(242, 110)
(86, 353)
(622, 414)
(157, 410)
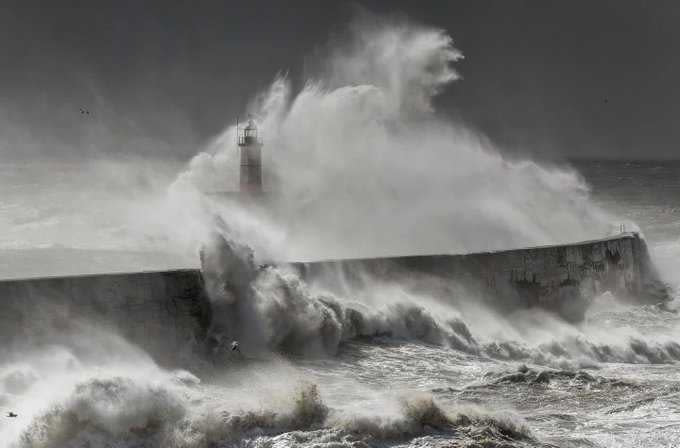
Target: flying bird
(12, 414)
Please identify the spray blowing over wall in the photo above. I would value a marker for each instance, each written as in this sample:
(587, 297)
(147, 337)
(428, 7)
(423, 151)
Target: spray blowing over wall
(362, 165)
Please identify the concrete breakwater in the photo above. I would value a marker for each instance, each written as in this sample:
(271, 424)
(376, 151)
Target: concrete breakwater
(158, 311)
(162, 311)
(559, 278)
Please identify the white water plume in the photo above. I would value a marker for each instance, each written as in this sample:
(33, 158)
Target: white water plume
(363, 166)
(70, 396)
(270, 309)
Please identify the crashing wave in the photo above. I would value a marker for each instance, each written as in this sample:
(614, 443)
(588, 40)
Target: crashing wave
(267, 308)
(359, 161)
(271, 309)
(122, 411)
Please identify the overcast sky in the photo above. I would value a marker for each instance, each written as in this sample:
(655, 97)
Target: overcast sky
(550, 78)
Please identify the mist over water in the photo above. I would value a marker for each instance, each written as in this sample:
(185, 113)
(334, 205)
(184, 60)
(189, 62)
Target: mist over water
(361, 165)
(91, 216)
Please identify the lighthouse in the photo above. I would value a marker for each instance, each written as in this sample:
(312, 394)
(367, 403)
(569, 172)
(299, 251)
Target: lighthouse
(250, 145)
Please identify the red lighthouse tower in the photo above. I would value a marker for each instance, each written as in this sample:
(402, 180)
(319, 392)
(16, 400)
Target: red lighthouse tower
(250, 145)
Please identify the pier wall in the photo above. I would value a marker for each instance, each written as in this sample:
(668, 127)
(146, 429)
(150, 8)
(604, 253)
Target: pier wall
(560, 278)
(158, 311)
(163, 311)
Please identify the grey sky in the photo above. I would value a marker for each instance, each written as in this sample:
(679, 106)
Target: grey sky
(554, 79)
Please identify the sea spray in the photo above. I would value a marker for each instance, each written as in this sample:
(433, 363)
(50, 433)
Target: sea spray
(133, 411)
(131, 401)
(270, 308)
(267, 308)
(360, 164)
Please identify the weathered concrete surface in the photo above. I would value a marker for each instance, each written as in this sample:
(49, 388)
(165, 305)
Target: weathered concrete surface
(163, 311)
(562, 278)
(159, 311)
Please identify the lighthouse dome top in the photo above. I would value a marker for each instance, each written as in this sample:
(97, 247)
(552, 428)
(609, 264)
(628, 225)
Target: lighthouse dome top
(251, 126)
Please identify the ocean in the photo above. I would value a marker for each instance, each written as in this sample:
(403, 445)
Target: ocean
(646, 193)
(429, 376)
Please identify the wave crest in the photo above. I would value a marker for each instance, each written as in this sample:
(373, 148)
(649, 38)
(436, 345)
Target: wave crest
(125, 411)
(268, 308)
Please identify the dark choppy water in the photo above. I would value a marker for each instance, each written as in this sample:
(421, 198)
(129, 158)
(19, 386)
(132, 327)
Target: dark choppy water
(452, 377)
(646, 193)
